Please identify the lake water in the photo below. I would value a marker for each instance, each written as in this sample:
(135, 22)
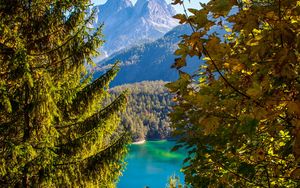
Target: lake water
(151, 164)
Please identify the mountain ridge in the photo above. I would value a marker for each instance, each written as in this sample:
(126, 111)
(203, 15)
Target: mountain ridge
(126, 24)
(148, 61)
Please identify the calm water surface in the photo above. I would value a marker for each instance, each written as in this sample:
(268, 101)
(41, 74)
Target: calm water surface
(151, 164)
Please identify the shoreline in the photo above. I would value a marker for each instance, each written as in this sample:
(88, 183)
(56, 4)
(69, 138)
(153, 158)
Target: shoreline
(139, 142)
(143, 141)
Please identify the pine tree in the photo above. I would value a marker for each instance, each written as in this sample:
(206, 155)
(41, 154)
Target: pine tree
(54, 132)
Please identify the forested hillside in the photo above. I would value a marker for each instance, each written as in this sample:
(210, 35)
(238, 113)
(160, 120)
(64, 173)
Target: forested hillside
(149, 61)
(148, 106)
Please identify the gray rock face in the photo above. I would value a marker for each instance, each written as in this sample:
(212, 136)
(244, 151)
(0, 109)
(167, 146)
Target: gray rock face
(126, 25)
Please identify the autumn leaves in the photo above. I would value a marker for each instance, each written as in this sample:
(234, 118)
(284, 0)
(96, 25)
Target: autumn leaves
(244, 101)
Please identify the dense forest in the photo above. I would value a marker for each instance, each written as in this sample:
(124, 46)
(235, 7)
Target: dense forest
(146, 115)
(237, 112)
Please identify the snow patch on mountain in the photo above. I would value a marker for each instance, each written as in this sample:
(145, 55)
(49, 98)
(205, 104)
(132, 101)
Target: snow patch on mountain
(126, 25)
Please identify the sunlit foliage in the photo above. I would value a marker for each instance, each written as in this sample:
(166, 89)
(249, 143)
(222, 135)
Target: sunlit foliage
(174, 182)
(240, 114)
(146, 115)
(53, 130)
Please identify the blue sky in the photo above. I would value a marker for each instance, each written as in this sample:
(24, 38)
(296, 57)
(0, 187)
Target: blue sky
(192, 4)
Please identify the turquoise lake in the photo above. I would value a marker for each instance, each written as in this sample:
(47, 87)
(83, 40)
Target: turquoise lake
(151, 164)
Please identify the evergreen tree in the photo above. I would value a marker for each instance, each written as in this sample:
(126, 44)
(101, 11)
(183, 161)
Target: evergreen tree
(53, 130)
(146, 116)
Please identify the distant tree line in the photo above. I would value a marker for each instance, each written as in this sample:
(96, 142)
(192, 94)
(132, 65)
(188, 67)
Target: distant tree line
(146, 115)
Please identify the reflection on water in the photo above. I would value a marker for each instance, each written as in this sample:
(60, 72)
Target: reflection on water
(151, 164)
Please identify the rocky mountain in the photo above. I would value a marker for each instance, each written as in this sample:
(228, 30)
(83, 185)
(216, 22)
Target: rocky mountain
(126, 24)
(150, 61)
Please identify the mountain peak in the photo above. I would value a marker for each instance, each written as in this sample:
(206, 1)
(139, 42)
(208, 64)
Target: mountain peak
(157, 13)
(118, 4)
(126, 25)
(111, 10)
(153, 7)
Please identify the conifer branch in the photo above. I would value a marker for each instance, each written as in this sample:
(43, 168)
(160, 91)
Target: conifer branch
(86, 95)
(91, 122)
(66, 42)
(123, 138)
(84, 128)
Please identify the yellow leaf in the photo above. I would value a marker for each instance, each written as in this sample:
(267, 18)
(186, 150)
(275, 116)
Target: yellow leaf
(252, 42)
(227, 29)
(255, 91)
(210, 124)
(181, 17)
(213, 42)
(296, 173)
(294, 107)
(271, 15)
(179, 62)
(296, 147)
(259, 154)
(177, 2)
(296, 123)
(206, 58)
(174, 99)
(247, 72)
(238, 67)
